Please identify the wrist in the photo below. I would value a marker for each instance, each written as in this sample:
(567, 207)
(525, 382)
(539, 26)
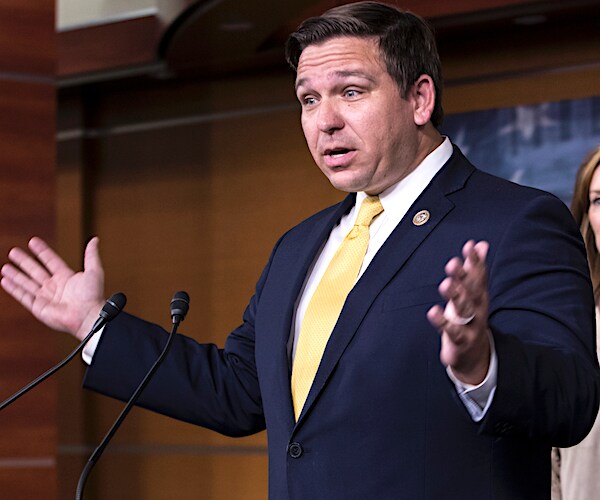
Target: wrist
(475, 372)
(472, 377)
(89, 320)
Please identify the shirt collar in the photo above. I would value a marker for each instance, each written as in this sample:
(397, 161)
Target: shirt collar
(403, 194)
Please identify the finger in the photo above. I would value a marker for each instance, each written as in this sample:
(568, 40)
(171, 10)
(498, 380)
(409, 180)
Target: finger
(460, 317)
(447, 288)
(455, 276)
(18, 293)
(460, 301)
(475, 281)
(481, 249)
(54, 264)
(456, 334)
(467, 248)
(474, 257)
(439, 319)
(454, 267)
(19, 279)
(459, 272)
(435, 315)
(469, 275)
(28, 265)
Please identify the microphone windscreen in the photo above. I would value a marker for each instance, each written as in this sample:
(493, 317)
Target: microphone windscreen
(113, 306)
(180, 304)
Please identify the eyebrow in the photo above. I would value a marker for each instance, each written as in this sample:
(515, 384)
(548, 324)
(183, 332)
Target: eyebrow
(340, 74)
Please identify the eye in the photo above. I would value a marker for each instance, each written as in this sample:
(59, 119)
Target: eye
(307, 100)
(352, 93)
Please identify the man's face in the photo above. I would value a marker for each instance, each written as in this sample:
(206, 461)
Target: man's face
(361, 133)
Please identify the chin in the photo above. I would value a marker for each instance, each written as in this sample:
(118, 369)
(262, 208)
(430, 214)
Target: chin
(347, 185)
(346, 188)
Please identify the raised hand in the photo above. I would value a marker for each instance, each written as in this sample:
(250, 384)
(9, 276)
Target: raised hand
(55, 294)
(463, 323)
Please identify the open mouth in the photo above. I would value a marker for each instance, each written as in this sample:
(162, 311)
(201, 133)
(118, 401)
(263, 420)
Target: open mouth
(337, 153)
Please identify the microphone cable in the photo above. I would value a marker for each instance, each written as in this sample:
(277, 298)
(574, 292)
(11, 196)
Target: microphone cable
(112, 307)
(179, 307)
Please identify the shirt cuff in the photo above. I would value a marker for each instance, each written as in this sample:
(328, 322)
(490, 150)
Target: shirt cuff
(90, 347)
(478, 398)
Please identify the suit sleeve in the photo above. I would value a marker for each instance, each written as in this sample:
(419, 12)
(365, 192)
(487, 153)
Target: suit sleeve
(543, 322)
(197, 383)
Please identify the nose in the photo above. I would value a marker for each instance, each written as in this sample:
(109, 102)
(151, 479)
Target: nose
(329, 117)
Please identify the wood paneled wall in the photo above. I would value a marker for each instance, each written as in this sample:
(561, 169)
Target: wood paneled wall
(189, 184)
(28, 437)
(194, 206)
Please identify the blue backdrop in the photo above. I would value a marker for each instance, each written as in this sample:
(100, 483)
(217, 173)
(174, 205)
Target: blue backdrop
(539, 145)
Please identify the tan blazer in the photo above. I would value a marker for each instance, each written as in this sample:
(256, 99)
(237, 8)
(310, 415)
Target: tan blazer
(576, 470)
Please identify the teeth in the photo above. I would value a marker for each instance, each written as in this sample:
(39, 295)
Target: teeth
(337, 153)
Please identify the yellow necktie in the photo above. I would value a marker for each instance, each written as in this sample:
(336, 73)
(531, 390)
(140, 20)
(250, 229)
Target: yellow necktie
(326, 304)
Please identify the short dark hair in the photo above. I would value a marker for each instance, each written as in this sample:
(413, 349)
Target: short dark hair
(406, 41)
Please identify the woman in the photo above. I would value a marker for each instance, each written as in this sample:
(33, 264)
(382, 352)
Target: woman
(576, 470)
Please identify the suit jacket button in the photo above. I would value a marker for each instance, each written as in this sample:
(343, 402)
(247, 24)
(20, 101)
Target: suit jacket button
(295, 450)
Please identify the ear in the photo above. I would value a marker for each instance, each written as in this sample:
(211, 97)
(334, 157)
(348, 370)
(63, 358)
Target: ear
(423, 97)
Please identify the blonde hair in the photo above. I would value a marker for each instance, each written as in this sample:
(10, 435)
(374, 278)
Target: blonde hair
(580, 206)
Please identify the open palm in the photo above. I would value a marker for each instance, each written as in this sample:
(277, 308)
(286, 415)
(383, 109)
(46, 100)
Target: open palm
(56, 295)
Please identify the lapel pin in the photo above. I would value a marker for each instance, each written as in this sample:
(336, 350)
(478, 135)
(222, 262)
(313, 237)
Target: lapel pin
(421, 217)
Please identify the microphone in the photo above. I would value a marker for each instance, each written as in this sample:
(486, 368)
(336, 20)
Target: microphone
(180, 304)
(111, 308)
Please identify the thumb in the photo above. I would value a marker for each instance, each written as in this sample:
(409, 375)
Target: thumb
(91, 257)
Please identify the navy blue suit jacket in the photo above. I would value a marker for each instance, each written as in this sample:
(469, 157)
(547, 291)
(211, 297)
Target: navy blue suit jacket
(382, 420)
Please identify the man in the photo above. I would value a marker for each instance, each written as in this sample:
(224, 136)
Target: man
(369, 402)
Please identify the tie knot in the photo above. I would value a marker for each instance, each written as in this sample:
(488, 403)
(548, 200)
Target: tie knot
(371, 207)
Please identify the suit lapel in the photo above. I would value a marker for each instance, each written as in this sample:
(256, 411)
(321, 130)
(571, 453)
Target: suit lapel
(401, 244)
(303, 250)
(306, 252)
